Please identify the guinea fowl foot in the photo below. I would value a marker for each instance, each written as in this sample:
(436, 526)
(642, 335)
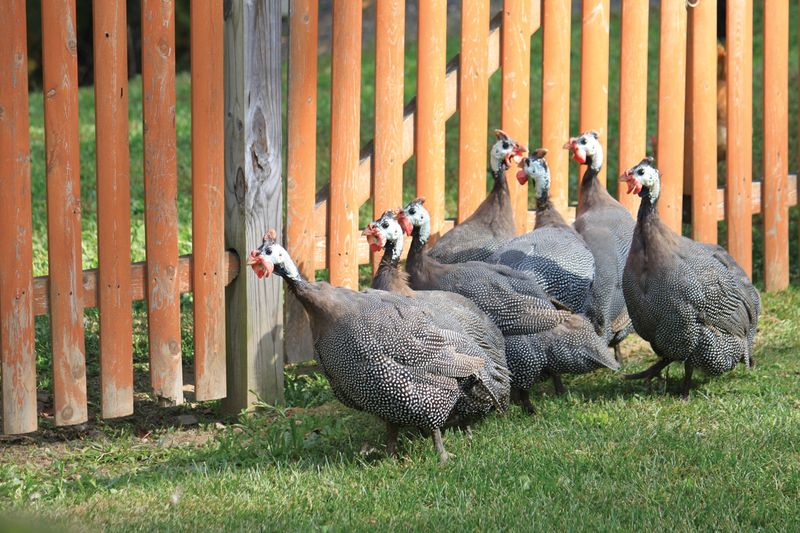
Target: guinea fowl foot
(437, 442)
(524, 399)
(687, 380)
(391, 439)
(652, 372)
(559, 385)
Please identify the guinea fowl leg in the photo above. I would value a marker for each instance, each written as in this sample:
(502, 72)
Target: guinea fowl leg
(687, 380)
(558, 384)
(652, 372)
(617, 353)
(437, 442)
(525, 401)
(391, 439)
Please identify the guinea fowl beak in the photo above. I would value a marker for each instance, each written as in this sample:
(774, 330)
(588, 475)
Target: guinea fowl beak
(515, 154)
(260, 264)
(374, 237)
(633, 184)
(578, 154)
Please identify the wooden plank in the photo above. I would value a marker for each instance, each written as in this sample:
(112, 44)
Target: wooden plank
(756, 196)
(345, 124)
(387, 178)
(60, 65)
(671, 101)
(253, 198)
(515, 88)
(161, 208)
(16, 248)
(113, 209)
(594, 71)
(473, 107)
(740, 131)
(703, 133)
(555, 95)
(776, 144)
(208, 199)
(301, 167)
(430, 124)
(93, 289)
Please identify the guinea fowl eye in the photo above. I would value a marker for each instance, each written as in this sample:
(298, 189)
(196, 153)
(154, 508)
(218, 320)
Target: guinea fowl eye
(268, 251)
(640, 172)
(506, 145)
(385, 225)
(412, 211)
(583, 141)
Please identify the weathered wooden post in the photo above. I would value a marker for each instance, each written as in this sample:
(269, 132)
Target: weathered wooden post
(253, 197)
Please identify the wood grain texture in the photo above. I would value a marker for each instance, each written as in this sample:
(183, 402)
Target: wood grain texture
(739, 149)
(62, 148)
(555, 96)
(160, 193)
(208, 199)
(473, 107)
(430, 112)
(301, 167)
(93, 290)
(703, 132)
(515, 93)
(387, 177)
(632, 94)
(671, 107)
(113, 209)
(595, 26)
(253, 198)
(345, 124)
(16, 249)
(776, 144)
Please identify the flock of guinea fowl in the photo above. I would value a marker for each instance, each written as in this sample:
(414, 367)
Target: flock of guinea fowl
(473, 320)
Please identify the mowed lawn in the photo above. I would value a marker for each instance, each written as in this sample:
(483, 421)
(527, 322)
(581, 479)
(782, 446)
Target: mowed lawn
(609, 455)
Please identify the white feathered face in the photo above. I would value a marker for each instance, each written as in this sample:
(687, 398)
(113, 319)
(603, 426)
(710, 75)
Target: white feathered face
(584, 146)
(413, 215)
(385, 230)
(535, 168)
(505, 151)
(643, 179)
(269, 257)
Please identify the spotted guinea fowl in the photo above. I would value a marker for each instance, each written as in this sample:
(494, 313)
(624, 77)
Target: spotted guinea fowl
(449, 310)
(553, 252)
(691, 301)
(607, 228)
(384, 354)
(541, 340)
(492, 224)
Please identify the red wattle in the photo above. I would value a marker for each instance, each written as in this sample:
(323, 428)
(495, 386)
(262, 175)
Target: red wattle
(522, 178)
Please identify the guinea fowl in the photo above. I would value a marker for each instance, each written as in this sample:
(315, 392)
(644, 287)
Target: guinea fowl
(607, 229)
(541, 340)
(553, 252)
(450, 311)
(492, 224)
(691, 301)
(384, 354)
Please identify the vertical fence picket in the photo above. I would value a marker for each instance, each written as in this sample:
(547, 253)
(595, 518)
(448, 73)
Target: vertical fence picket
(555, 96)
(515, 87)
(16, 248)
(208, 199)
(776, 145)
(632, 93)
(594, 71)
(113, 208)
(671, 94)
(301, 168)
(387, 176)
(473, 111)
(430, 118)
(60, 65)
(703, 110)
(161, 216)
(738, 192)
(345, 121)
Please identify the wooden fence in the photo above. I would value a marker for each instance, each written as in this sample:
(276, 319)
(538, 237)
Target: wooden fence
(236, 164)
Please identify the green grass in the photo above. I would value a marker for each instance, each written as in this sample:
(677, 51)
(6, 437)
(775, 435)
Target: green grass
(609, 455)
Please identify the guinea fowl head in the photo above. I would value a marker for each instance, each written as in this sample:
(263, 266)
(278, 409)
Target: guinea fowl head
(535, 168)
(384, 232)
(586, 149)
(504, 151)
(644, 179)
(415, 216)
(271, 256)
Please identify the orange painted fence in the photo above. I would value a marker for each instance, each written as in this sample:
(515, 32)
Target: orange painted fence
(370, 174)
